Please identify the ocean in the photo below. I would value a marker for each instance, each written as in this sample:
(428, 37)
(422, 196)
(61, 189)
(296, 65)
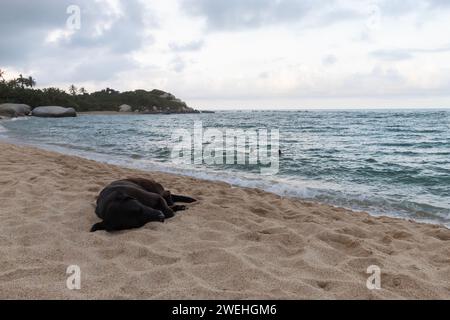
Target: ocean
(394, 163)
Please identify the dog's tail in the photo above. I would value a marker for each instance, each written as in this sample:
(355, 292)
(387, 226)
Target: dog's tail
(98, 226)
(178, 198)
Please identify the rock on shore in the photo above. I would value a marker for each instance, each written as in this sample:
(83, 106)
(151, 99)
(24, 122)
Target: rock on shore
(54, 112)
(13, 110)
(125, 108)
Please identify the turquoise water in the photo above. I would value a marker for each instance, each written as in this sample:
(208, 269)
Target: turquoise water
(393, 163)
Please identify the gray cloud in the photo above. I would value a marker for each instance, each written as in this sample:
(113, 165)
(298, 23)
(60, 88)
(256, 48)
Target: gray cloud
(439, 3)
(178, 64)
(125, 34)
(401, 7)
(241, 14)
(391, 55)
(329, 60)
(85, 55)
(100, 67)
(24, 26)
(190, 46)
(405, 54)
(234, 15)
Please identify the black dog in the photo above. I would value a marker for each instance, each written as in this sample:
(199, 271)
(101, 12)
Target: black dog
(132, 203)
(155, 187)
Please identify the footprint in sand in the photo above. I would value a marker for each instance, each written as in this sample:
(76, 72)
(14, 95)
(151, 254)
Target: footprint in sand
(347, 244)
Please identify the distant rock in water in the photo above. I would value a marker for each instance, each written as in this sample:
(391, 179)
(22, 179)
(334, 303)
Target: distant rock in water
(14, 110)
(53, 112)
(125, 108)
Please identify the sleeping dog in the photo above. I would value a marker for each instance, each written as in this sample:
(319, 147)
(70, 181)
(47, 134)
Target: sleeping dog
(133, 202)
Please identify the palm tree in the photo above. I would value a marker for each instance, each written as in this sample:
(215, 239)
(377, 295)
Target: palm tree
(22, 81)
(82, 90)
(73, 90)
(1, 75)
(31, 82)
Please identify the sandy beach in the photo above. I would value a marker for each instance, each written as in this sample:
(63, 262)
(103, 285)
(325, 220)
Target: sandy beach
(234, 243)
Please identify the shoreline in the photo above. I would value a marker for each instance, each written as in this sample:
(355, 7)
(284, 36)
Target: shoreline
(161, 168)
(169, 170)
(117, 113)
(111, 113)
(106, 113)
(234, 243)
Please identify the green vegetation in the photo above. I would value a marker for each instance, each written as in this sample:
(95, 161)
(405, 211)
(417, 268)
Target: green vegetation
(21, 90)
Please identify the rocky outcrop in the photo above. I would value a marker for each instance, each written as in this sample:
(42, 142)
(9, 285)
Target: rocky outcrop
(125, 108)
(53, 112)
(168, 96)
(13, 110)
(163, 94)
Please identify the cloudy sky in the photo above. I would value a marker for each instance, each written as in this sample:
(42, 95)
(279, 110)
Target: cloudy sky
(238, 53)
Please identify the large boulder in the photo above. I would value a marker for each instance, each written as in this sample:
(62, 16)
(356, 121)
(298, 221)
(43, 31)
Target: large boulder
(53, 112)
(14, 110)
(125, 108)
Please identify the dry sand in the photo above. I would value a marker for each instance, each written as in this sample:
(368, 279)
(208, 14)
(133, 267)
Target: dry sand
(234, 243)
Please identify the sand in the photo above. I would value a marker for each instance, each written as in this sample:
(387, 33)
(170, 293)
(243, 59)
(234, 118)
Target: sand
(235, 243)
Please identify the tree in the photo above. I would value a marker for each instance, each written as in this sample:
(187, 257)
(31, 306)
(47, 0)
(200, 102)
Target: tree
(2, 73)
(110, 91)
(14, 83)
(21, 81)
(18, 90)
(73, 90)
(31, 82)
